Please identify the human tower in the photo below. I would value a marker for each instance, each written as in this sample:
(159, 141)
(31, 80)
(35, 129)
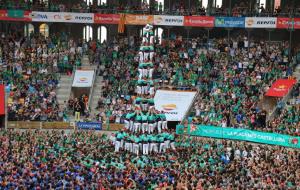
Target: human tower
(146, 130)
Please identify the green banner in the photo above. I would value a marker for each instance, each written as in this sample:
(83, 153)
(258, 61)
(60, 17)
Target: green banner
(244, 135)
(15, 13)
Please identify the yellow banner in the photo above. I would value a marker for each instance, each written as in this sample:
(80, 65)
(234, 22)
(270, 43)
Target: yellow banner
(139, 19)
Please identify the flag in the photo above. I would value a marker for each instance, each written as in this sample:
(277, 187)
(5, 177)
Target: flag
(281, 87)
(121, 26)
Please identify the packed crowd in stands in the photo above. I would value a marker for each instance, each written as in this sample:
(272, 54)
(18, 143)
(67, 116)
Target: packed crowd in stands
(239, 8)
(86, 160)
(232, 77)
(30, 68)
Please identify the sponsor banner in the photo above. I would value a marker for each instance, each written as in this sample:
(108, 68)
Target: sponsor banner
(166, 20)
(245, 135)
(2, 100)
(106, 18)
(281, 87)
(230, 22)
(288, 23)
(173, 103)
(62, 17)
(260, 22)
(83, 78)
(199, 21)
(15, 15)
(89, 125)
(138, 19)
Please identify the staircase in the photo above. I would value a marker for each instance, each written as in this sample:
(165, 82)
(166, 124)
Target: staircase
(64, 91)
(96, 95)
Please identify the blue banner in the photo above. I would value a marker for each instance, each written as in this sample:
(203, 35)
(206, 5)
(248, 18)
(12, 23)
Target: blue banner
(230, 22)
(89, 125)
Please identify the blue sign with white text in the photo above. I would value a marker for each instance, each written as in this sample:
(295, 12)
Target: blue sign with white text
(89, 125)
(230, 22)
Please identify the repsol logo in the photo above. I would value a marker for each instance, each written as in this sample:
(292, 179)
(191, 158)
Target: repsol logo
(83, 18)
(266, 22)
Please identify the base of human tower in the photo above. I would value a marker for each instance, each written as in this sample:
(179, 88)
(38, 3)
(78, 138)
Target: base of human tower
(146, 131)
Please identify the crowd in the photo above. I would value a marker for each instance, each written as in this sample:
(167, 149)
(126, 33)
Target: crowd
(231, 75)
(30, 68)
(287, 120)
(239, 8)
(86, 160)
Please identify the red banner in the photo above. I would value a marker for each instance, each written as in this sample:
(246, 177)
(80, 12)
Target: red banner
(106, 18)
(281, 87)
(288, 23)
(2, 100)
(199, 21)
(4, 16)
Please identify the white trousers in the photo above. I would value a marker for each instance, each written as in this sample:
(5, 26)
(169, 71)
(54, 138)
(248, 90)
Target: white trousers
(153, 147)
(117, 146)
(162, 147)
(137, 127)
(146, 149)
(135, 148)
(144, 127)
(128, 146)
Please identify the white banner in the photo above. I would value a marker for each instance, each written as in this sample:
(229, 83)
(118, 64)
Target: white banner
(260, 22)
(174, 103)
(83, 78)
(62, 17)
(168, 20)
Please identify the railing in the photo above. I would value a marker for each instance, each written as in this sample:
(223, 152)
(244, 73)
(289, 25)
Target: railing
(233, 11)
(92, 88)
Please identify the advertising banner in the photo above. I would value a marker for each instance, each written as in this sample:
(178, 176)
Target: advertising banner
(62, 17)
(138, 19)
(260, 22)
(199, 21)
(174, 103)
(281, 87)
(245, 135)
(89, 125)
(2, 100)
(167, 20)
(230, 22)
(15, 15)
(292, 23)
(83, 78)
(106, 18)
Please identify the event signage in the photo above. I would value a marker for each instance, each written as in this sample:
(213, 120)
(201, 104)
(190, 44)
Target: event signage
(62, 17)
(15, 15)
(131, 19)
(89, 125)
(292, 23)
(230, 22)
(106, 18)
(83, 78)
(174, 104)
(199, 21)
(2, 100)
(166, 20)
(281, 87)
(245, 135)
(260, 22)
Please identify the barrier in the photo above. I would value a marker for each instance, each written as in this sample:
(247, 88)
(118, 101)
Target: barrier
(163, 20)
(55, 125)
(244, 135)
